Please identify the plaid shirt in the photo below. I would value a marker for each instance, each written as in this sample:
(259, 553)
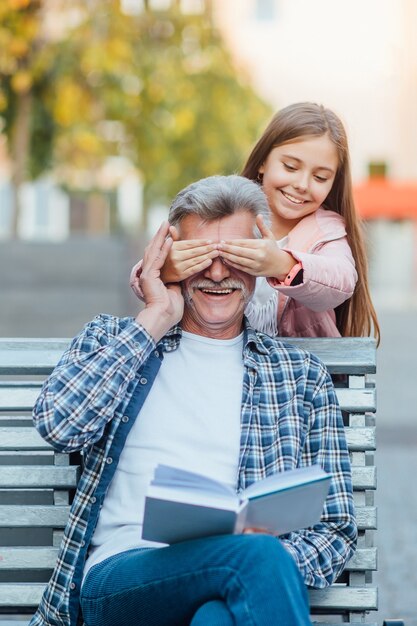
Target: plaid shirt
(289, 418)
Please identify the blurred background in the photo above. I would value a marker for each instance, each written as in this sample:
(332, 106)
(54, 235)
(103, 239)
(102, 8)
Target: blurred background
(109, 107)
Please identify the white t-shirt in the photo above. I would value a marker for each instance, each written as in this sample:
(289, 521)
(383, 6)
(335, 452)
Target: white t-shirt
(190, 419)
(262, 308)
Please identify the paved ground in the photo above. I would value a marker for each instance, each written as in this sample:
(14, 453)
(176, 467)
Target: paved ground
(397, 467)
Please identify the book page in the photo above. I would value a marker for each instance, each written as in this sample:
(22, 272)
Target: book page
(285, 480)
(175, 477)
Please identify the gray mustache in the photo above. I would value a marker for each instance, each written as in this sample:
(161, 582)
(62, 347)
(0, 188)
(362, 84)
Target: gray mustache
(227, 283)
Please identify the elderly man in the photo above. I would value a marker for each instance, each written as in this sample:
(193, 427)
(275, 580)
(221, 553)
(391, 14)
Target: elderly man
(188, 383)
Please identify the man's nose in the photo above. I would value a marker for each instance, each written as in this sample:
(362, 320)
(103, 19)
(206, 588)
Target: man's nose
(217, 271)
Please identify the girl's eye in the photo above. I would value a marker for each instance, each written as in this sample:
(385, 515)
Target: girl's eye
(289, 167)
(321, 179)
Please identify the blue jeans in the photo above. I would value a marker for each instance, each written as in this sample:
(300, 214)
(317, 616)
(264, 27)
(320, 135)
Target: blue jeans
(228, 580)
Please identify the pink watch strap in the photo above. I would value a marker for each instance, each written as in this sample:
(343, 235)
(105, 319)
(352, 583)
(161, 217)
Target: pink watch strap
(292, 274)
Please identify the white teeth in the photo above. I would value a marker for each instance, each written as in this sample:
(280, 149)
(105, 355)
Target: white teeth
(287, 195)
(218, 291)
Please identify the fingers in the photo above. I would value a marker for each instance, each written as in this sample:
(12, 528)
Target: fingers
(157, 249)
(174, 233)
(188, 262)
(194, 244)
(237, 252)
(263, 228)
(197, 267)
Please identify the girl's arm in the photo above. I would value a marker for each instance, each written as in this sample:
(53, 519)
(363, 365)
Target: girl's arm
(328, 278)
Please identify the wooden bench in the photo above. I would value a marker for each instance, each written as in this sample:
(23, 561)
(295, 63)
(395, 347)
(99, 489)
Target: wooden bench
(36, 483)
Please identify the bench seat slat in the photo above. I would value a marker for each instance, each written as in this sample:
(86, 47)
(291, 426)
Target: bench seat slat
(21, 438)
(357, 356)
(44, 557)
(363, 477)
(27, 438)
(346, 598)
(37, 558)
(55, 516)
(337, 597)
(27, 357)
(20, 594)
(34, 516)
(366, 517)
(21, 356)
(360, 439)
(22, 397)
(44, 476)
(363, 559)
(38, 476)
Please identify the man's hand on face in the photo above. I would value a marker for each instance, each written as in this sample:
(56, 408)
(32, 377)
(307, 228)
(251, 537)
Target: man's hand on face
(164, 304)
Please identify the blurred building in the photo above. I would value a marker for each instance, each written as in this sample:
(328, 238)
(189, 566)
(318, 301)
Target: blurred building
(360, 59)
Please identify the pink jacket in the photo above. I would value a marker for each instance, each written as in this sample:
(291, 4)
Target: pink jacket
(319, 242)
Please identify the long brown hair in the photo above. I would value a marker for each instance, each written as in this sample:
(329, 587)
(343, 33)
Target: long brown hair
(355, 317)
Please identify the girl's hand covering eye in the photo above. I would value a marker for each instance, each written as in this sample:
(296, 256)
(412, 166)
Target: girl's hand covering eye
(258, 257)
(187, 257)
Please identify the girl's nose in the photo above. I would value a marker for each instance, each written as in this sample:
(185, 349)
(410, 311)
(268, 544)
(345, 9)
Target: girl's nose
(301, 184)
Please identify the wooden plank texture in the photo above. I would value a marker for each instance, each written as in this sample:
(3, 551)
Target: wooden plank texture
(364, 477)
(18, 396)
(36, 558)
(361, 439)
(21, 396)
(344, 355)
(44, 557)
(21, 438)
(21, 594)
(334, 598)
(340, 597)
(30, 356)
(34, 516)
(38, 476)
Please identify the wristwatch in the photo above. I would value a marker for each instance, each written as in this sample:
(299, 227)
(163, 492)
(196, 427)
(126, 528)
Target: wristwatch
(295, 276)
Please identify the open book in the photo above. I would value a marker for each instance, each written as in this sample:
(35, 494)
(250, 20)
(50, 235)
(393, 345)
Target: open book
(182, 505)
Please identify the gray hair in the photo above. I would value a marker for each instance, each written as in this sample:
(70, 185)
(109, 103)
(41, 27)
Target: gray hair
(219, 196)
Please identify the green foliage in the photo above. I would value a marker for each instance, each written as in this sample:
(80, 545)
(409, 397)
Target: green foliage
(158, 87)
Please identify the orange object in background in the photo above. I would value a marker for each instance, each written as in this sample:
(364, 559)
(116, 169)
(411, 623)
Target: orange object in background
(381, 198)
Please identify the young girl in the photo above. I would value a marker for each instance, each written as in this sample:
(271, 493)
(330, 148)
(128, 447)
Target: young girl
(313, 257)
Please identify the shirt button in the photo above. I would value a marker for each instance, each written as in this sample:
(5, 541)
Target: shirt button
(83, 543)
(156, 353)
(143, 381)
(72, 585)
(125, 419)
(109, 460)
(93, 500)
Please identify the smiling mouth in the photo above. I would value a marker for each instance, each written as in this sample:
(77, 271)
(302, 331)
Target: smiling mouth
(217, 292)
(292, 199)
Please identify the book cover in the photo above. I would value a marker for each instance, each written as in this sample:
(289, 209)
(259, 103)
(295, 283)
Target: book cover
(183, 505)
